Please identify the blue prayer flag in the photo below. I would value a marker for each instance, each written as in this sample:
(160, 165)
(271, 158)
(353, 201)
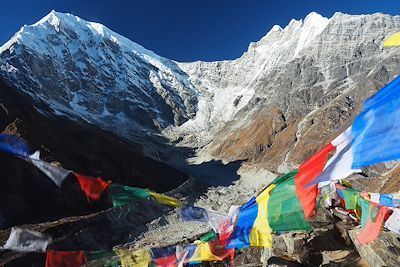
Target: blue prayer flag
(376, 131)
(14, 145)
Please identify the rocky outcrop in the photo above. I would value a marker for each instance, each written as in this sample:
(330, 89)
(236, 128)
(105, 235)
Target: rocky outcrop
(383, 252)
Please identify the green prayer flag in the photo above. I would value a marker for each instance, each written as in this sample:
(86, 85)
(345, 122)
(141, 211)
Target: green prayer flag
(209, 237)
(365, 211)
(285, 212)
(349, 196)
(102, 259)
(285, 177)
(124, 195)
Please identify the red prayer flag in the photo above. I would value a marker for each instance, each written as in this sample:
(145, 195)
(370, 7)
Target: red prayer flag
(373, 226)
(308, 171)
(92, 187)
(167, 261)
(64, 258)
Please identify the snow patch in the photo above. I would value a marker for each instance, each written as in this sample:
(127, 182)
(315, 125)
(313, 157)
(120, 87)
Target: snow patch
(98, 28)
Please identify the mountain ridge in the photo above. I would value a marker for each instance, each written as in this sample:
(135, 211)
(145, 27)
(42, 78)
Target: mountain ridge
(83, 70)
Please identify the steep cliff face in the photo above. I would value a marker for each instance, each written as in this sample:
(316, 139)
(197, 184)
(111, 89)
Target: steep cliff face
(83, 70)
(302, 105)
(227, 86)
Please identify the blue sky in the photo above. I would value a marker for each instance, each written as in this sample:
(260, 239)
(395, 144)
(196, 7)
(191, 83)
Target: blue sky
(187, 30)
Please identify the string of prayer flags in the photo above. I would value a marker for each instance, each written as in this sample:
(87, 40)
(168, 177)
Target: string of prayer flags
(65, 258)
(13, 145)
(26, 240)
(307, 172)
(388, 200)
(285, 212)
(252, 227)
(372, 219)
(92, 187)
(392, 40)
(376, 131)
(134, 258)
(55, 173)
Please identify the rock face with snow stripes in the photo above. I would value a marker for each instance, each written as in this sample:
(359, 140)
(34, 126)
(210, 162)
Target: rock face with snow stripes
(85, 71)
(304, 103)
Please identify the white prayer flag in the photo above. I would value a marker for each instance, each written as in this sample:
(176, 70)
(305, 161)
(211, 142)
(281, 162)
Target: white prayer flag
(393, 223)
(55, 173)
(27, 240)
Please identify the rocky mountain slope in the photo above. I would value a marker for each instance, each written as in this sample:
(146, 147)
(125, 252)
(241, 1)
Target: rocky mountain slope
(299, 106)
(83, 70)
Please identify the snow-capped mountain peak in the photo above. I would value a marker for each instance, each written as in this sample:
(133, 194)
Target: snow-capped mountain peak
(232, 87)
(84, 70)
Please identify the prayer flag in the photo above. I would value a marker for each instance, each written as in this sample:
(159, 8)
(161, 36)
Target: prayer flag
(211, 251)
(215, 220)
(64, 258)
(102, 258)
(376, 130)
(348, 195)
(92, 187)
(285, 212)
(252, 228)
(124, 195)
(388, 200)
(339, 165)
(372, 218)
(13, 145)
(27, 240)
(164, 257)
(134, 258)
(393, 222)
(166, 200)
(55, 173)
(308, 171)
(393, 40)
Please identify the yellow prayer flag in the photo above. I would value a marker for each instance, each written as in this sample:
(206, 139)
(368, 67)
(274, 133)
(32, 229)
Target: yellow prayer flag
(166, 200)
(393, 40)
(260, 235)
(134, 258)
(203, 253)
